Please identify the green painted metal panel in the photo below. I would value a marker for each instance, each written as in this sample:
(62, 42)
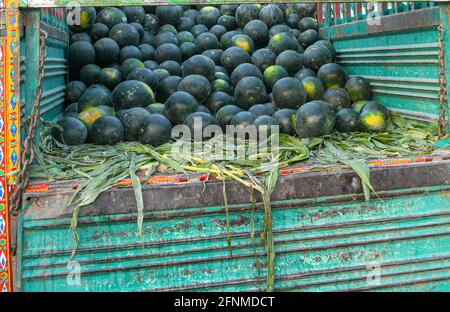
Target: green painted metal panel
(319, 247)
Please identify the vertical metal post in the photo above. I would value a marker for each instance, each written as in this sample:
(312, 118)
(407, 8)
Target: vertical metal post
(444, 9)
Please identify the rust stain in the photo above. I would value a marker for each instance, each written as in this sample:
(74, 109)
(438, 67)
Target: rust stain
(186, 272)
(183, 226)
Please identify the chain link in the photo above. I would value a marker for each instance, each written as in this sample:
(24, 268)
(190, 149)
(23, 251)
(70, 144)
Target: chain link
(27, 148)
(442, 125)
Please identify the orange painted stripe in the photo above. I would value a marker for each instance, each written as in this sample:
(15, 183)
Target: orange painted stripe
(38, 188)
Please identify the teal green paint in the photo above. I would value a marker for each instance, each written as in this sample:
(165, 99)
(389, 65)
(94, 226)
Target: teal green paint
(32, 53)
(308, 239)
(445, 23)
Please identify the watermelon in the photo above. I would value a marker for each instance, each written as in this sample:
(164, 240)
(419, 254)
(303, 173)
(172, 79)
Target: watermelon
(199, 29)
(145, 75)
(229, 9)
(250, 91)
(305, 72)
(156, 108)
(292, 61)
(131, 120)
(357, 106)
(262, 109)
(165, 37)
(283, 118)
(80, 37)
(232, 57)
(346, 120)
(161, 74)
(292, 20)
(185, 24)
(109, 77)
(147, 52)
(132, 93)
(204, 109)
(185, 36)
(315, 57)
(314, 119)
(139, 28)
(206, 41)
(372, 121)
(179, 105)
(308, 37)
(90, 114)
(226, 113)
(146, 38)
(95, 95)
(87, 18)
(130, 52)
(191, 14)
(278, 29)
(243, 41)
(374, 105)
(128, 65)
(106, 51)
(282, 42)
(263, 58)
(198, 122)
(134, 13)
(358, 88)
(208, 16)
(243, 119)
(151, 24)
(107, 130)
(124, 35)
(71, 108)
(169, 14)
(187, 49)
(245, 70)
(89, 74)
(289, 93)
(217, 100)
(327, 44)
(147, 64)
(313, 87)
(197, 86)
(72, 132)
(245, 13)
(214, 55)
(155, 130)
(166, 52)
(81, 53)
(225, 40)
(227, 21)
(258, 31)
(272, 74)
(221, 85)
(111, 16)
(200, 65)
(308, 23)
(166, 87)
(338, 98)
(332, 76)
(74, 90)
(271, 15)
(218, 31)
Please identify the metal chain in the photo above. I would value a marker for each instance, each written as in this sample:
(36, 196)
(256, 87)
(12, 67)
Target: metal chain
(442, 125)
(27, 148)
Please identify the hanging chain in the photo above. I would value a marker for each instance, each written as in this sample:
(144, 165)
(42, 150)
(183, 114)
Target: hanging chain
(27, 148)
(442, 125)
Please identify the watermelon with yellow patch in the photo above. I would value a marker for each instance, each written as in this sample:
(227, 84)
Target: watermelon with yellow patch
(372, 121)
(90, 114)
(313, 87)
(272, 74)
(243, 41)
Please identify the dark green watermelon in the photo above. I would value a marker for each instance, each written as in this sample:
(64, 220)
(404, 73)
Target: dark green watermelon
(221, 85)
(80, 37)
(185, 36)
(109, 77)
(272, 74)
(308, 23)
(164, 37)
(197, 86)
(74, 90)
(332, 76)
(81, 53)
(258, 31)
(305, 72)
(130, 52)
(292, 20)
(131, 120)
(130, 64)
(166, 87)
(262, 109)
(179, 105)
(148, 64)
(151, 24)
(198, 122)
(134, 13)
(263, 58)
(225, 40)
(226, 113)
(132, 93)
(187, 49)
(243, 119)
(107, 130)
(217, 100)
(185, 24)
(155, 108)
(124, 35)
(291, 60)
(161, 74)
(155, 130)
(243, 41)
(338, 98)
(169, 28)
(245, 13)
(314, 88)
(98, 31)
(347, 120)
(358, 88)
(229, 9)
(147, 52)
(271, 15)
(327, 44)
(308, 37)
(283, 118)
(282, 42)
(71, 108)
(208, 16)
(89, 74)
(250, 91)
(167, 52)
(169, 14)
(73, 131)
(106, 51)
(95, 95)
(214, 55)
(200, 65)
(146, 38)
(139, 28)
(374, 105)
(316, 56)
(314, 119)
(289, 93)
(227, 21)
(232, 57)
(199, 29)
(206, 41)
(145, 75)
(111, 16)
(245, 70)
(218, 31)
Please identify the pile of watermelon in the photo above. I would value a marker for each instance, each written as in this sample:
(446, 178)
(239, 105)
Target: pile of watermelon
(138, 71)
